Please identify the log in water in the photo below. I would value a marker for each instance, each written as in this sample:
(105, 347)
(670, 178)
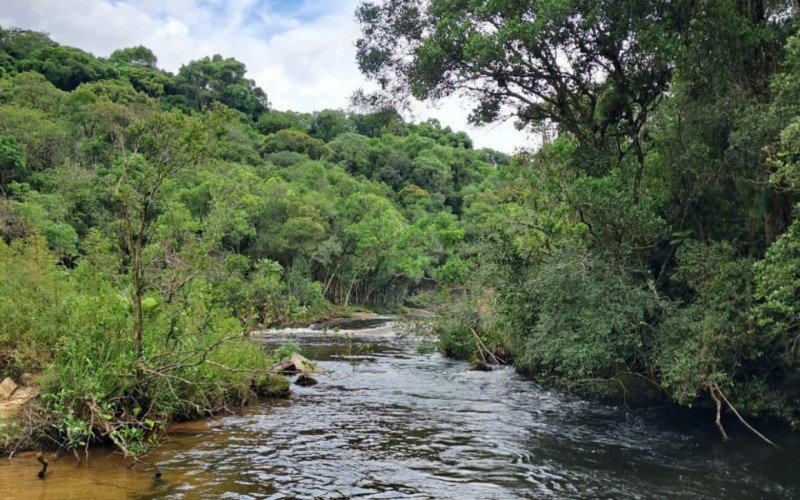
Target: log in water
(391, 422)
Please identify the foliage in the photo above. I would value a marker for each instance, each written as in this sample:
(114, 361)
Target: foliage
(652, 237)
(149, 221)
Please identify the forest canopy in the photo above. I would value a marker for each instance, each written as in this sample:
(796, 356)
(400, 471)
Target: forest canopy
(650, 240)
(649, 248)
(155, 219)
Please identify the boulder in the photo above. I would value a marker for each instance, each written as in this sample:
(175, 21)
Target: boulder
(305, 380)
(299, 364)
(7, 388)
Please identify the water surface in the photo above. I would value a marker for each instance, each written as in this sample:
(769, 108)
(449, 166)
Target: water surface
(391, 422)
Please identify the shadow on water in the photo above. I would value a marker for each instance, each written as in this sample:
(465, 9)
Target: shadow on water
(388, 422)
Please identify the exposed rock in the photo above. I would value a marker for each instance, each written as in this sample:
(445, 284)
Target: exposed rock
(7, 388)
(333, 323)
(299, 364)
(479, 366)
(305, 380)
(27, 380)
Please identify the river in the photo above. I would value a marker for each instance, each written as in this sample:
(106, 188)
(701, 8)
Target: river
(391, 420)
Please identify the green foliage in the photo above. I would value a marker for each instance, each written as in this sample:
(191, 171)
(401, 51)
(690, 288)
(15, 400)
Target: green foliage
(708, 339)
(652, 236)
(271, 386)
(13, 161)
(216, 79)
(149, 221)
(295, 141)
(579, 316)
(285, 351)
(67, 67)
(777, 280)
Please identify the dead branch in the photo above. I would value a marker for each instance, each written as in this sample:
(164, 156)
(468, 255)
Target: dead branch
(718, 420)
(40, 458)
(741, 419)
(482, 348)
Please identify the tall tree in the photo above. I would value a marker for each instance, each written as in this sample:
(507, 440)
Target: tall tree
(150, 153)
(216, 78)
(593, 69)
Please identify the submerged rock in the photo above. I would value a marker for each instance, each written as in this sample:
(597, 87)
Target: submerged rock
(479, 366)
(305, 380)
(7, 388)
(299, 364)
(271, 385)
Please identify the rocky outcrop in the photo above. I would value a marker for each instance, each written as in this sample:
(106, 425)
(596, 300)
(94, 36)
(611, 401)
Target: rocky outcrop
(7, 388)
(298, 364)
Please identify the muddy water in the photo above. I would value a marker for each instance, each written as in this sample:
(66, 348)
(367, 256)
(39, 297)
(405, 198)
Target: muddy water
(391, 422)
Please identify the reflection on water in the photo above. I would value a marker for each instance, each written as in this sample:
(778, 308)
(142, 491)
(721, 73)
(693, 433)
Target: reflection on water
(387, 422)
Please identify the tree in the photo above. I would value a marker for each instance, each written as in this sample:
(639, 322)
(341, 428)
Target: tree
(13, 161)
(139, 66)
(210, 79)
(593, 69)
(67, 67)
(328, 124)
(150, 154)
(294, 140)
(139, 56)
(20, 43)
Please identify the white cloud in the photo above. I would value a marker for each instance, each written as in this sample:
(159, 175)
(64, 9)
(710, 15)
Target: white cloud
(173, 28)
(303, 56)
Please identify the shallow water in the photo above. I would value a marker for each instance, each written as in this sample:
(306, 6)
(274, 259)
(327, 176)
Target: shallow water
(390, 422)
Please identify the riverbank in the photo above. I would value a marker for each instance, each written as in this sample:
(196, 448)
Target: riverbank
(231, 371)
(390, 420)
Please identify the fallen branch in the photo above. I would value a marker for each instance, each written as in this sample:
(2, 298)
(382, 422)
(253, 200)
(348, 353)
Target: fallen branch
(482, 348)
(718, 420)
(40, 458)
(741, 419)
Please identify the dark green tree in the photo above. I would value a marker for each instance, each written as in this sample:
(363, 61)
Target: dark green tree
(210, 79)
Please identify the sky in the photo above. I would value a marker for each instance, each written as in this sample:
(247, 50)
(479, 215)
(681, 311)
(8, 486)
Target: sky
(301, 52)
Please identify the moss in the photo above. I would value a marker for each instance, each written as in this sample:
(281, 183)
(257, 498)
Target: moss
(271, 386)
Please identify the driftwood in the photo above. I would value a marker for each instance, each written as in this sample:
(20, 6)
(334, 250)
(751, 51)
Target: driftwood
(482, 349)
(714, 388)
(298, 364)
(40, 458)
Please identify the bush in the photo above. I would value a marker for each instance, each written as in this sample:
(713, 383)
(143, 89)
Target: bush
(580, 315)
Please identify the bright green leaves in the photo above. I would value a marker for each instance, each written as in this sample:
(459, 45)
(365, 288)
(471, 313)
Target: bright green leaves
(777, 287)
(13, 161)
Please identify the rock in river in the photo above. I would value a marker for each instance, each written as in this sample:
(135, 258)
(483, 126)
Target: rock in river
(479, 366)
(299, 364)
(305, 380)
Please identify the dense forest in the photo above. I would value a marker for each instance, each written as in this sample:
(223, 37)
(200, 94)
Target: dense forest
(653, 241)
(150, 221)
(649, 248)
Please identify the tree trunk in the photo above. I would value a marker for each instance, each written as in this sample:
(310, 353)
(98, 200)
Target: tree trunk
(637, 181)
(137, 304)
(349, 289)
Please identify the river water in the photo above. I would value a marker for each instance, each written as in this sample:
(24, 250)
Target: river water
(392, 421)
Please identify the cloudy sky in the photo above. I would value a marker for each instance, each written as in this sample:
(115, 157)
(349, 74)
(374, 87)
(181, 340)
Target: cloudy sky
(301, 52)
